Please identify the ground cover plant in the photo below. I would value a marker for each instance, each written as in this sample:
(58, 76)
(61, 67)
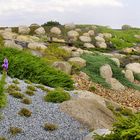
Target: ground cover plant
(126, 128)
(2, 94)
(94, 62)
(23, 65)
(57, 95)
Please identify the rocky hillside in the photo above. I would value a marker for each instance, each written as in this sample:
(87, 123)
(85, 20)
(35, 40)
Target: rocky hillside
(66, 80)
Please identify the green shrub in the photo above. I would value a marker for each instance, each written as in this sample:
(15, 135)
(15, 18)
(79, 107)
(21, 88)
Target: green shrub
(57, 95)
(25, 112)
(51, 23)
(1, 41)
(15, 81)
(13, 87)
(126, 128)
(94, 62)
(3, 99)
(23, 65)
(27, 82)
(50, 127)
(30, 87)
(16, 94)
(26, 101)
(30, 92)
(15, 130)
(2, 138)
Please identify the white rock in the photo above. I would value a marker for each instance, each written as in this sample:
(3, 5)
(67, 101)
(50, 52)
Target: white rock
(9, 35)
(89, 45)
(115, 84)
(85, 39)
(55, 30)
(91, 32)
(11, 44)
(40, 31)
(72, 34)
(101, 45)
(107, 35)
(106, 71)
(86, 34)
(77, 61)
(23, 29)
(116, 60)
(134, 67)
(129, 75)
(37, 46)
(99, 39)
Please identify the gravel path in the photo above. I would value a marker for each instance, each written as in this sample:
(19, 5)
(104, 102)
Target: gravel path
(68, 128)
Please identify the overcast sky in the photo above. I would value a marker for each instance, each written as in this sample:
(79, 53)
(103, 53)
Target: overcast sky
(113, 13)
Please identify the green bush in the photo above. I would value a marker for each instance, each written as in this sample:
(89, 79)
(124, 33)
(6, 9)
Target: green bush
(1, 41)
(126, 128)
(23, 65)
(57, 96)
(51, 23)
(15, 130)
(94, 62)
(2, 94)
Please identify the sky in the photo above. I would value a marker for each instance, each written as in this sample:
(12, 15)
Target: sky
(113, 13)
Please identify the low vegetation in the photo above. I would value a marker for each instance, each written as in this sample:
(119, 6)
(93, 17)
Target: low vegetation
(57, 95)
(26, 101)
(2, 138)
(3, 99)
(50, 127)
(16, 94)
(30, 92)
(94, 62)
(126, 128)
(25, 112)
(15, 130)
(34, 69)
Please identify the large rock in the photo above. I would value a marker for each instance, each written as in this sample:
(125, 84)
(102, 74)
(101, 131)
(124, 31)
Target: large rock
(116, 60)
(107, 35)
(55, 30)
(58, 40)
(115, 84)
(134, 67)
(37, 46)
(99, 39)
(77, 61)
(27, 38)
(73, 34)
(40, 31)
(8, 35)
(12, 44)
(88, 45)
(89, 112)
(129, 75)
(101, 45)
(106, 71)
(85, 39)
(23, 30)
(91, 32)
(8, 29)
(63, 66)
(86, 34)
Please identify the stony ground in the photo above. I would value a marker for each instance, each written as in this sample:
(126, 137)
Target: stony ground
(128, 97)
(68, 128)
